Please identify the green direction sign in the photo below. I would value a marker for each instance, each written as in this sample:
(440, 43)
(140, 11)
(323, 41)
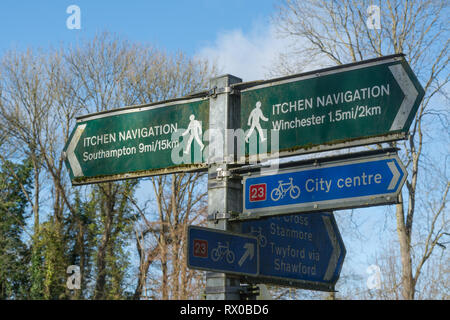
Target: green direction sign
(367, 102)
(138, 141)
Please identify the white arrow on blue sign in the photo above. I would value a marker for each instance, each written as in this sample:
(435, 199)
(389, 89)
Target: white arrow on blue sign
(222, 251)
(362, 182)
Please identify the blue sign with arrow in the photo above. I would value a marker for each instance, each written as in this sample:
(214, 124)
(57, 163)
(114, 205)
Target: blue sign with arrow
(301, 250)
(222, 251)
(335, 185)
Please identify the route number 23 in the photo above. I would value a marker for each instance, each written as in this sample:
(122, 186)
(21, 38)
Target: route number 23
(200, 248)
(258, 192)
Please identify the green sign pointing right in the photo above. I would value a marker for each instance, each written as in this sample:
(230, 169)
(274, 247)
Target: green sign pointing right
(361, 103)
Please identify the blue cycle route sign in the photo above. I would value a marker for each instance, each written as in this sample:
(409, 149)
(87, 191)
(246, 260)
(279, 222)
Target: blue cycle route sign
(362, 182)
(222, 251)
(298, 250)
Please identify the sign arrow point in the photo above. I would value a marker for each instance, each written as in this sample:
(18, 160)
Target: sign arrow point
(410, 92)
(333, 263)
(73, 161)
(395, 175)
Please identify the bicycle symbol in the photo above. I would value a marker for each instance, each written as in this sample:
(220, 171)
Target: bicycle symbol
(262, 241)
(222, 251)
(283, 188)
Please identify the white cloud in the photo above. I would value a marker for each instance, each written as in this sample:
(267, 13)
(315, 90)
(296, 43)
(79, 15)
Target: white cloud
(249, 56)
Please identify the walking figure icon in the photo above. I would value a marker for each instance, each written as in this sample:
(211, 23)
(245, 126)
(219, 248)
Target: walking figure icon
(195, 130)
(253, 122)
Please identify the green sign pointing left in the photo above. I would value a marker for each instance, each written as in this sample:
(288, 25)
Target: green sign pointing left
(138, 141)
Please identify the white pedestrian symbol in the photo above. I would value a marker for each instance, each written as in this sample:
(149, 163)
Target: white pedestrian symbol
(253, 120)
(195, 129)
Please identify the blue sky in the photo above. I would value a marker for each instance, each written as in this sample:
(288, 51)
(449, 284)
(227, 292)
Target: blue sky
(170, 24)
(237, 35)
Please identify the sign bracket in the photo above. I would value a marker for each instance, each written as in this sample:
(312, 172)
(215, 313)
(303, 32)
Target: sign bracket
(214, 91)
(219, 216)
(249, 170)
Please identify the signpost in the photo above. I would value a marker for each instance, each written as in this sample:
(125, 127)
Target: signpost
(138, 141)
(222, 251)
(300, 250)
(362, 103)
(335, 185)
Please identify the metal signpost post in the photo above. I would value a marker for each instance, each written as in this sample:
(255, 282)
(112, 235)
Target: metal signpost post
(224, 190)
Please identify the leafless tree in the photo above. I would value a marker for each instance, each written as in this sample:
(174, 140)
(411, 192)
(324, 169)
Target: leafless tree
(178, 198)
(24, 106)
(180, 201)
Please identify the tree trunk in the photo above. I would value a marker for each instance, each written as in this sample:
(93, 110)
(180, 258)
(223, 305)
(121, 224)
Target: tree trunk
(102, 249)
(405, 251)
(36, 170)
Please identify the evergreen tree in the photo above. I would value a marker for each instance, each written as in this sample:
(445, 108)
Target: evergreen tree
(115, 219)
(81, 229)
